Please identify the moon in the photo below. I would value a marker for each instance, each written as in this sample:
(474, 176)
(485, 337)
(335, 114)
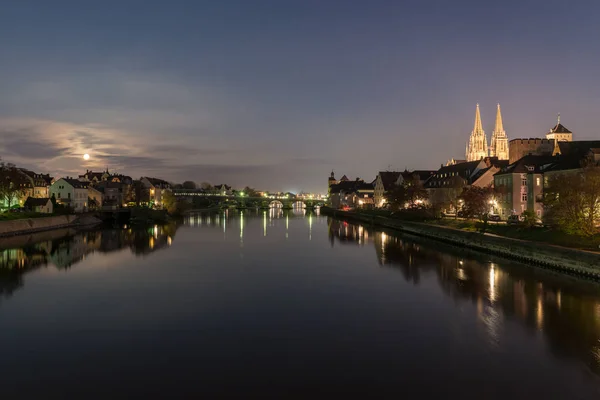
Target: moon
(86, 156)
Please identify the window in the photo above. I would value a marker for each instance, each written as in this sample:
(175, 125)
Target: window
(524, 197)
(537, 181)
(539, 213)
(523, 181)
(69, 195)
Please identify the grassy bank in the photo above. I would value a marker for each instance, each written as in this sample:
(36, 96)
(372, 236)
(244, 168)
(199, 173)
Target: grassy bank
(534, 234)
(521, 232)
(9, 216)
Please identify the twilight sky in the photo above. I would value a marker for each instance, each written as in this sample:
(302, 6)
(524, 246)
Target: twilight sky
(276, 93)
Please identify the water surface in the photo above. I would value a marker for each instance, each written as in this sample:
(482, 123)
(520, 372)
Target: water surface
(286, 305)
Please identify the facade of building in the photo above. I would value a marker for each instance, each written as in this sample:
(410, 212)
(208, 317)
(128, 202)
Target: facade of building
(156, 188)
(94, 177)
(71, 192)
(446, 184)
(39, 182)
(477, 147)
(351, 194)
(384, 182)
(94, 198)
(520, 185)
(39, 205)
(499, 144)
(560, 133)
(112, 193)
(519, 148)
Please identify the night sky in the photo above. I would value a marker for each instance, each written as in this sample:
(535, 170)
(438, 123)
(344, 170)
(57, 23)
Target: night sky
(275, 94)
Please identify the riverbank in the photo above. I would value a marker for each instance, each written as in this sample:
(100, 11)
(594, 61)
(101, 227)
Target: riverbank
(571, 261)
(32, 225)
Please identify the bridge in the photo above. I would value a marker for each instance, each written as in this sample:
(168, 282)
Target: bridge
(241, 200)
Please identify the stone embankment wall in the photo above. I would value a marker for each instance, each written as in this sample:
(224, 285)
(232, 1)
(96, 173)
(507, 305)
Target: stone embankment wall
(29, 225)
(563, 259)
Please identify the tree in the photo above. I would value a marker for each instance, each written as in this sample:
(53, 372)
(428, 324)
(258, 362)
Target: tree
(409, 194)
(250, 192)
(10, 190)
(139, 193)
(477, 202)
(189, 185)
(169, 201)
(572, 200)
(206, 186)
(396, 197)
(415, 193)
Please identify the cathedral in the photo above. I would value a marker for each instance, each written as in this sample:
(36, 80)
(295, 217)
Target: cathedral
(477, 147)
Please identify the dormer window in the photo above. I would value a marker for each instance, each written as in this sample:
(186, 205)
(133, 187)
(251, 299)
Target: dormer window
(530, 168)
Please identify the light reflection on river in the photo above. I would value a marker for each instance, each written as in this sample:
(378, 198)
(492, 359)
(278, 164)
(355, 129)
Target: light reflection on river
(279, 302)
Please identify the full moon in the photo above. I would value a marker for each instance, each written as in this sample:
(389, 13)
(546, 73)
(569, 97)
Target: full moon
(86, 156)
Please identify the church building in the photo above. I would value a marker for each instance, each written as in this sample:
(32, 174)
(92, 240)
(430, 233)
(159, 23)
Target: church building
(477, 147)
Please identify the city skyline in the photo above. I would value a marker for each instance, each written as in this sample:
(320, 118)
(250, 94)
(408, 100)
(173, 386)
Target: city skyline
(276, 95)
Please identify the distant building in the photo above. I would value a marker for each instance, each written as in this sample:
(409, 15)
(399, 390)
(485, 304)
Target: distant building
(446, 184)
(70, 192)
(384, 182)
(560, 133)
(156, 188)
(347, 193)
(519, 148)
(94, 198)
(39, 205)
(39, 182)
(520, 185)
(94, 177)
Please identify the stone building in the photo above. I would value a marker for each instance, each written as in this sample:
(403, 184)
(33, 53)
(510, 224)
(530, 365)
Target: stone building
(519, 148)
(520, 185)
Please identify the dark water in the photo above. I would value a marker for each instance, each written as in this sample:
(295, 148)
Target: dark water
(286, 305)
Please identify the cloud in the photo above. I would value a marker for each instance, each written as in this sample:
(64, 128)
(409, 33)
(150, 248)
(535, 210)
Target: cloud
(29, 144)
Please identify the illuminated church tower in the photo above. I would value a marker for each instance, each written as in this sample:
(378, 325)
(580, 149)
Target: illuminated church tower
(499, 144)
(477, 147)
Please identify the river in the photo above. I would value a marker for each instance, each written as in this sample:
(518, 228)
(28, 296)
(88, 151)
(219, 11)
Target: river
(282, 304)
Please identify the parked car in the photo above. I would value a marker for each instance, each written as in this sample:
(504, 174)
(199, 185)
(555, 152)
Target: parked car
(17, 210)
(494, 217)
(514, 219)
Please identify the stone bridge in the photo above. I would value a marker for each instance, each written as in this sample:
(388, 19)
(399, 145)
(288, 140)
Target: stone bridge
(245, 201)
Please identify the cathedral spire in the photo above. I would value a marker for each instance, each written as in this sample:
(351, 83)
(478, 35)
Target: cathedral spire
(477, 127)
(499, 127)
(477, 148)
(499, 144)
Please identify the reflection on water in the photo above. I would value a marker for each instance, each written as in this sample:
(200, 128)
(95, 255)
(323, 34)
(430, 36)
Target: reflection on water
(564, 310)
(63, 248)
(309, 295)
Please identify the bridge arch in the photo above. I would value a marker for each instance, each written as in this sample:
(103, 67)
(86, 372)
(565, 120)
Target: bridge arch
(275, 204)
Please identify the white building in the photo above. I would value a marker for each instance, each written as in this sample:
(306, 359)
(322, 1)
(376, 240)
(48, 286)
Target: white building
(71, 192)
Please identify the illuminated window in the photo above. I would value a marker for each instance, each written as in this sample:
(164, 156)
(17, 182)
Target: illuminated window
(537, 181)
(523, 197)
